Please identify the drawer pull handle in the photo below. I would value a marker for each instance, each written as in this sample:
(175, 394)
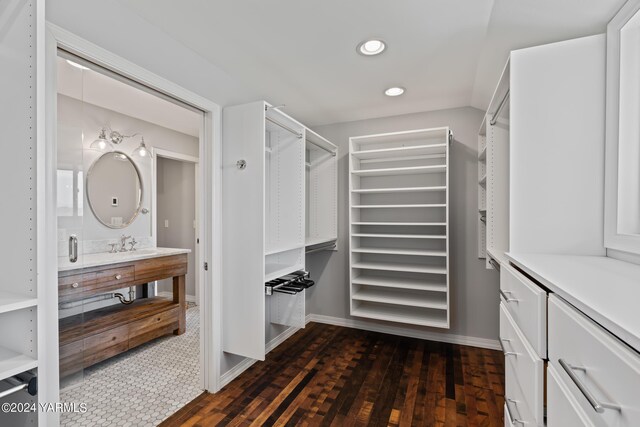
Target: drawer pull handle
(75, 284)
(599, 407)
(506, 298)
(505, 352)
(118, 276)
(513, 420)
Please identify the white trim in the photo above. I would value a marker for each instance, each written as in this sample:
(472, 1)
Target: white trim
(210, 211)
(237, 370)
(168, 154)
(189, 298)
(403, 332)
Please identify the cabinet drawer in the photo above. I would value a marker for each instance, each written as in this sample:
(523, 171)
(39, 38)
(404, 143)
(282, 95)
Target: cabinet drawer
(524, 364)
(516, 411)
(562, 408)
(527, 304)
(153, 327)
(598, 369)
(102, 346)
(81, 285)
(72, 287)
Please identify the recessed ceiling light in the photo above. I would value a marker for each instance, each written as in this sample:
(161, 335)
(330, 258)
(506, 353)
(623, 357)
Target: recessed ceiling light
(394, 91)
(371, 47)
(75, 64)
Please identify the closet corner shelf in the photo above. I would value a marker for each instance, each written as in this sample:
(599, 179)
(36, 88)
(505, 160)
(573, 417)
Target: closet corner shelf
(12, 363)
(11, 302)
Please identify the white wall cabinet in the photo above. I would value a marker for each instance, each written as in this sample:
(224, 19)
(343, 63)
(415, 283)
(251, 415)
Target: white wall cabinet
(279, 196)
(399, 226)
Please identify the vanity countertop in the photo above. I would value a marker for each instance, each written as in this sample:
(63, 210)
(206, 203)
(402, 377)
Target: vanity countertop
(106, 258)
(605, 289)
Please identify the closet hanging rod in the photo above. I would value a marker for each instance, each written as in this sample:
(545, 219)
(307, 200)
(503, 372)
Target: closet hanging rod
(333, 153)
(494, 118)
(283, 126)
(25, 381)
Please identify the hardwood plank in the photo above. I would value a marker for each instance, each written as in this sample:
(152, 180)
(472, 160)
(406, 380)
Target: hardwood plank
(332, 376)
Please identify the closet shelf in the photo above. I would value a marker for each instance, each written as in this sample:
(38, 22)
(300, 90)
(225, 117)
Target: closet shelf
(273, 251)
(413, 170)
(402, 283)
(273, 271)
(418, 150)
(398, 190)
(429, 205)
(400, 314)
(401, 236)
(12, 363)
(406, 224)
(411, 298)
(312, 241)
(411, 268)
(10, 302)
(394, 251)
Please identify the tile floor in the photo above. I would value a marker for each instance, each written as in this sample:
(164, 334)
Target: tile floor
(141, 387)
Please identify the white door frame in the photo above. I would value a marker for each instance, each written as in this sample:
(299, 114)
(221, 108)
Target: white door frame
(210, 210)
(167, 154)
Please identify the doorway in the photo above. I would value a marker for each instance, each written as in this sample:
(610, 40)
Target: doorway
(208, 183)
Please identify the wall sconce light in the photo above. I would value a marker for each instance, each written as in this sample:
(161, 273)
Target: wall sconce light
(142, 151)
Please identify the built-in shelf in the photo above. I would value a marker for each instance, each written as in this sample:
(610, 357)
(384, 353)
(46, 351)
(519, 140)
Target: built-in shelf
(425, 205)
(401, 236)
(273, 251)
(411, 268)
(12, 363)
(10, 302)
(313, 241)
(273, 271)
(398, 190)
(393, 251)
(412, 170)
(414, 298)
(418, 150)
(497, 255)
(402, 283)
(406, 224)
(402, 314)
(483, 154)
(483, 181)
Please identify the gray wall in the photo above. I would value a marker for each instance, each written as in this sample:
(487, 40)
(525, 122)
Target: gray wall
(474, 290)
(176, 202)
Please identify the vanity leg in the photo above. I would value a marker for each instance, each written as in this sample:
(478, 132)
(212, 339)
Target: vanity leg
(179, 297)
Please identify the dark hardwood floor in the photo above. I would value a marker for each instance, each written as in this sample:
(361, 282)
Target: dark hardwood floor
(333, 376)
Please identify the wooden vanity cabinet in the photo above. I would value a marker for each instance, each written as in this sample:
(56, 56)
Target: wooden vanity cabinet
(94, 336)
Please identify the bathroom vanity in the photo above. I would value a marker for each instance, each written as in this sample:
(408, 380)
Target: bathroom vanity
(91, 337)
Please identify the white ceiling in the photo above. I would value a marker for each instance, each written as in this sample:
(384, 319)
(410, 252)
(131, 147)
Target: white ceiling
(447, 53)
(106, 92)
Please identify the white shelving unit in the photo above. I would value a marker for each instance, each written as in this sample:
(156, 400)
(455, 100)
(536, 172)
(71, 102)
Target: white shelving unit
(279, 199)
(321, 191)
(493, 177)
(21, 289)
(398, 219)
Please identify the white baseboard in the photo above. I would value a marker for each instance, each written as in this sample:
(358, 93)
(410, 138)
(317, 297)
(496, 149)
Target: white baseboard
(189, 298)
(234, 372)
(396, 330)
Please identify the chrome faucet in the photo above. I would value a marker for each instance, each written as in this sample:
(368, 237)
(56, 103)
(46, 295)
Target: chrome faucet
(123, 243)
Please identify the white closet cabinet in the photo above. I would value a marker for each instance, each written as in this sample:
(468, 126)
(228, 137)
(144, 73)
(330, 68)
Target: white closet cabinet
(279, 195)
(399, 227)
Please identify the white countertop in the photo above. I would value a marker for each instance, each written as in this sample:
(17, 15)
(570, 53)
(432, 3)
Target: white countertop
(106, 258)
(605, 289)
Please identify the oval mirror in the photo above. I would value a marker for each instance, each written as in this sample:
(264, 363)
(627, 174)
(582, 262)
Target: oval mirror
(114, 189)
